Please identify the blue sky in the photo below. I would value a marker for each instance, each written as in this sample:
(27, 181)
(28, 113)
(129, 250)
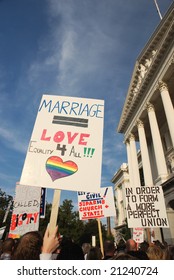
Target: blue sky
(81, 48)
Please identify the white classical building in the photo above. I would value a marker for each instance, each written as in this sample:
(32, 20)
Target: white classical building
(147, 122)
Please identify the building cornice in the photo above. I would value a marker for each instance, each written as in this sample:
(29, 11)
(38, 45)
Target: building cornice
(121, 173)
(145, 67)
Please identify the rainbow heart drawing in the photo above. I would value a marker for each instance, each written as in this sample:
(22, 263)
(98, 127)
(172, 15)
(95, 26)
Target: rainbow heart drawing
(57, 169)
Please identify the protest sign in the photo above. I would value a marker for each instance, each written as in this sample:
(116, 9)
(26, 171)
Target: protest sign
(65, 150)
(2, 230)
(146, 207)
(43, 203)
(138, 235)
(96, 205)
(26, 208)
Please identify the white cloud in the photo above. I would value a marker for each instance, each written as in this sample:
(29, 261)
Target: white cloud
(13, 139)
(7, 177)
(82, 45)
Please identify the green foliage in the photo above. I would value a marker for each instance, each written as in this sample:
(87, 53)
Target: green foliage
(68, 221)
(4, 200)
(91, 229)
(110, 237)
(70, 225)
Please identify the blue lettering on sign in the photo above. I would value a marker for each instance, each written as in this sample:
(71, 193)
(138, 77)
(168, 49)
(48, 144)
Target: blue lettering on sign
(93, 195)
(72, 108)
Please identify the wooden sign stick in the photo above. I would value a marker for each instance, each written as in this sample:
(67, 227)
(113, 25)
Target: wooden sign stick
(100, 237)
(148, 235)
(54, 210)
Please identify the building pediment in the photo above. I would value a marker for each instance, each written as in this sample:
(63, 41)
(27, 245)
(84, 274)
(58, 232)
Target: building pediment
(146, 66)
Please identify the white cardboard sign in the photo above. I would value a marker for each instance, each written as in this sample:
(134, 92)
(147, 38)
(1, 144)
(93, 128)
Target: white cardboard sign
(138, 235)
(2, 230)
(96, 205)
(65, 150)
(26, 209)
(146, 207)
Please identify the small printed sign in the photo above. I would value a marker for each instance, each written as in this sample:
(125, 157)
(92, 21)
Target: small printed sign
(138, 235)
(96, 205)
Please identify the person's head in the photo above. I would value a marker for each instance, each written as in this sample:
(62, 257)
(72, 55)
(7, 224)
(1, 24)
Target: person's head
(139, 254)
(124, 256)
(109, 248)
(131, 245)
(86, 247)
(8, 245)
(70, 250)
(28, 247)
(159, 244)
(154, 252)
(121, 246)
(144, 246)
(94, 254)
(7, 249)
(171, 252)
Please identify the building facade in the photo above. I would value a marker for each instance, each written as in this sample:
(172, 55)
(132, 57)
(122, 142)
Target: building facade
(147, 122)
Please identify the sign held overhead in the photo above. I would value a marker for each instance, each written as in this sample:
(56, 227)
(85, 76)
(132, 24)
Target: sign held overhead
(65, 150)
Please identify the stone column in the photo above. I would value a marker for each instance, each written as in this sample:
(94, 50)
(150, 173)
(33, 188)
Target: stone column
(125, 184)
(144, 154)
(119, 205)
(157, 144)
(129, 163)
(134, 160)
(168, 108)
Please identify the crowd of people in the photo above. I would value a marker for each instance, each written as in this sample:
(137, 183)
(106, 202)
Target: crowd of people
(34, 246)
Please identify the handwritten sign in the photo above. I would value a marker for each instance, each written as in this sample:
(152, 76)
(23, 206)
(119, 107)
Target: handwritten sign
(146, 207)
(26, 208)
(96, 205)
(65, 150)
(138, 235)
(2, 230)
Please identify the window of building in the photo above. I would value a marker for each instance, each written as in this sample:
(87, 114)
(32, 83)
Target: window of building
(141, 177)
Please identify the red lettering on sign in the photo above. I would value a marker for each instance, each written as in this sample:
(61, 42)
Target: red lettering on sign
(59, 136)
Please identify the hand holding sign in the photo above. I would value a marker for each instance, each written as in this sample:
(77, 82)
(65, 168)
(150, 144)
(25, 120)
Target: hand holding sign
(50, 241)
